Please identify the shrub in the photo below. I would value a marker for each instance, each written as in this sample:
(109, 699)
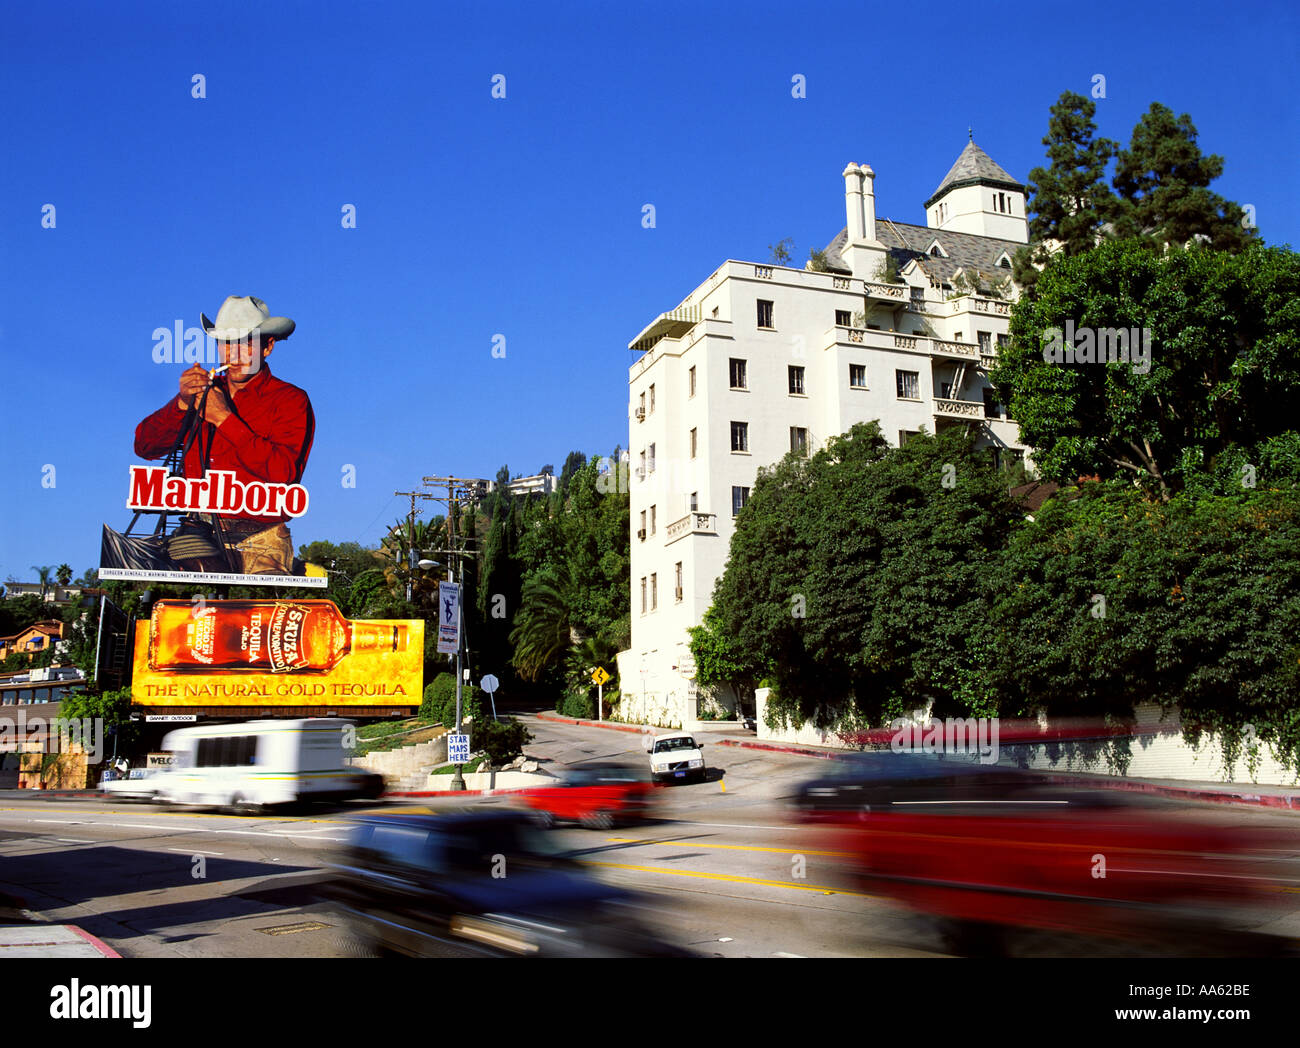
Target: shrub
(435, 698)
(582, 706)
(500, 743)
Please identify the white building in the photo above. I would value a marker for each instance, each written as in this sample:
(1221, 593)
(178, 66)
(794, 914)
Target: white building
(761, 359)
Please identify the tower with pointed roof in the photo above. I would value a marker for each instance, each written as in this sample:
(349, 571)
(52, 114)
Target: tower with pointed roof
(978, 196)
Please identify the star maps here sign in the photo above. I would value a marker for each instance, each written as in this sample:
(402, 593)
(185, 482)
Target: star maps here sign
(448, 618)
(458, 749)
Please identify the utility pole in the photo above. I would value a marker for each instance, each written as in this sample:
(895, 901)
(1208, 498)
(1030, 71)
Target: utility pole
(456, 565)
(410, 537)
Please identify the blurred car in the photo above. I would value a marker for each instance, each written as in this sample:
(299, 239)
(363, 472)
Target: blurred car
(677, 756)
(139, 784)
(988, 849)
(477, 883)
(598, 796)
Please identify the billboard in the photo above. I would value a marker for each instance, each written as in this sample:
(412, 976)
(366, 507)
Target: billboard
(232, 442)
(267, 653)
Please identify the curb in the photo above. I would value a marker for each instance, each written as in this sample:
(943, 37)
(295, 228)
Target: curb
(104, 949)
(557, 719)
(460, 793)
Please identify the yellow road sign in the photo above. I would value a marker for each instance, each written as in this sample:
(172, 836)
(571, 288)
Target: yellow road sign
(599, 675)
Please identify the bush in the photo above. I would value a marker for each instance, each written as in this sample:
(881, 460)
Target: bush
(469, 702)
(435, 698)
(500, 743)
(580, 705)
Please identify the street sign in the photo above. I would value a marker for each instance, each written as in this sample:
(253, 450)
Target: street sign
(171, 718)
(489, 684)
(448, 618)
(458, 749)
(600, 676)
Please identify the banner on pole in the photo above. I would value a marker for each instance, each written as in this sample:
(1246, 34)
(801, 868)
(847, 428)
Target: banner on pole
(448, 618)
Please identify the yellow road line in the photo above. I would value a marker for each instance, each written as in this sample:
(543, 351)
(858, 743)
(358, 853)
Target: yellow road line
(730, 878)
(729, 847)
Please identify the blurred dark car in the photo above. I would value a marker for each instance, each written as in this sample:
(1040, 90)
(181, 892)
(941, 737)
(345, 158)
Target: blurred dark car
(989, 848)
(598, 796)
(477, 884)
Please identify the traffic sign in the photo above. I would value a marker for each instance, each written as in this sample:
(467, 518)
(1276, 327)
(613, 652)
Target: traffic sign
(599, 675)
(458, 749)
(489, 684)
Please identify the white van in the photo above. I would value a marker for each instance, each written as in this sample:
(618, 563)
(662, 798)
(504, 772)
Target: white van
(259, 764)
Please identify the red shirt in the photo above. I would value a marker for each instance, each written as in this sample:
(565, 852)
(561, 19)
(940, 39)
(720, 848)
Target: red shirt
(268, 440)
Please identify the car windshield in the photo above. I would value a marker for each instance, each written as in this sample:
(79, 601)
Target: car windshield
(668, 745)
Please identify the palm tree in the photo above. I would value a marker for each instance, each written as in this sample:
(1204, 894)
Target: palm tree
(543, 628)
(64, 574)
(45, 573)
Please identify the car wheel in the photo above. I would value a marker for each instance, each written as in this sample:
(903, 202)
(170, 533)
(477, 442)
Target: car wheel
(599, 820)
(544, 819)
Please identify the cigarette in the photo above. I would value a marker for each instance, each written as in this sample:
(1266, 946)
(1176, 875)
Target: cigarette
(217, 371)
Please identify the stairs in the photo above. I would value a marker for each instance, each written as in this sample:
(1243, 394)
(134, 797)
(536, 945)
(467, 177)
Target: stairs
(406, 768)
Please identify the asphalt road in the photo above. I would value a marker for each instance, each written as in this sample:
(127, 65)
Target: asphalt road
(725, 870)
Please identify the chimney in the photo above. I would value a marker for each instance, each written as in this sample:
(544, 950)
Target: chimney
(853, 203)
(868, 202)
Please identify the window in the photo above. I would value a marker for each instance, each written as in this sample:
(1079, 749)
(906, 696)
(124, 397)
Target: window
(695, 501)
(1004, 262)
(695, 441)
(715, 311)
(764, 313)
(690, 382)
(738, 374)
(858, 376)
(740, 436)
(904, 435)
(643, 592)
(641, 408)
(843, 318)
(796, 380)
(654, 591)
(640, 473)
(651, 461)
(641, 534)
(909, 385)
(652, 519)
(986, 341)
(652, 398)
(992, 409)
(799, 440)
(934, 251)
(739, 496)
(1003, 340)
(678, 586)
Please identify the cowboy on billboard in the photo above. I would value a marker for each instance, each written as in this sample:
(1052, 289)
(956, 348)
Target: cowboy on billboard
(241, 438)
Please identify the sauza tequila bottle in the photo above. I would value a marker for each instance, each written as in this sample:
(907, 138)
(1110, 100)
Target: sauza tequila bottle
(261, 636)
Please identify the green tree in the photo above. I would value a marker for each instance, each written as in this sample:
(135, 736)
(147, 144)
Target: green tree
(781, 252)
(64, 574)
(1163, 180)
(1223, 367)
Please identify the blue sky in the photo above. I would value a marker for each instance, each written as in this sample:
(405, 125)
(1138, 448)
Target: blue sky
(518, 216)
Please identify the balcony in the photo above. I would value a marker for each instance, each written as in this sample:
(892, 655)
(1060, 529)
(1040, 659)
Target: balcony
(964, 410)
(964, 351)
(898, 294)
(692, 524)
(974, 304)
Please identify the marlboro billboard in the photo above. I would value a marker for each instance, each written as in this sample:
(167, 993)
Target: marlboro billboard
(274, 653)
(233, 442)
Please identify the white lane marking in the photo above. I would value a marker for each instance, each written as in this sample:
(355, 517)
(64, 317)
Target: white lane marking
(194, 851)
(727, 939)
(72, 840)
(790, 955)
(60, 822)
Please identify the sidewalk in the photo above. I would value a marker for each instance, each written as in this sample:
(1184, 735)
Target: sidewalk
(1286, 798)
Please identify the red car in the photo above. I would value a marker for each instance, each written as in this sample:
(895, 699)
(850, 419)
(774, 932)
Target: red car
(985, 850)
(597, 796)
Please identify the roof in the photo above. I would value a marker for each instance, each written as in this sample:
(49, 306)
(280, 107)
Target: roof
(906, 242)
(973, 167)
(50, 629)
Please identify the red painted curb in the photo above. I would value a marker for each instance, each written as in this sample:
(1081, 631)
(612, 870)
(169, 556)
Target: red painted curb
(775, 748)
(556, 718)
(102, 947)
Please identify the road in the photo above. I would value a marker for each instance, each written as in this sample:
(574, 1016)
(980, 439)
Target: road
(726, 871)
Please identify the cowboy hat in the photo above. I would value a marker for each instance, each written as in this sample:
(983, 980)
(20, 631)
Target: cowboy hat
(241, 316)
